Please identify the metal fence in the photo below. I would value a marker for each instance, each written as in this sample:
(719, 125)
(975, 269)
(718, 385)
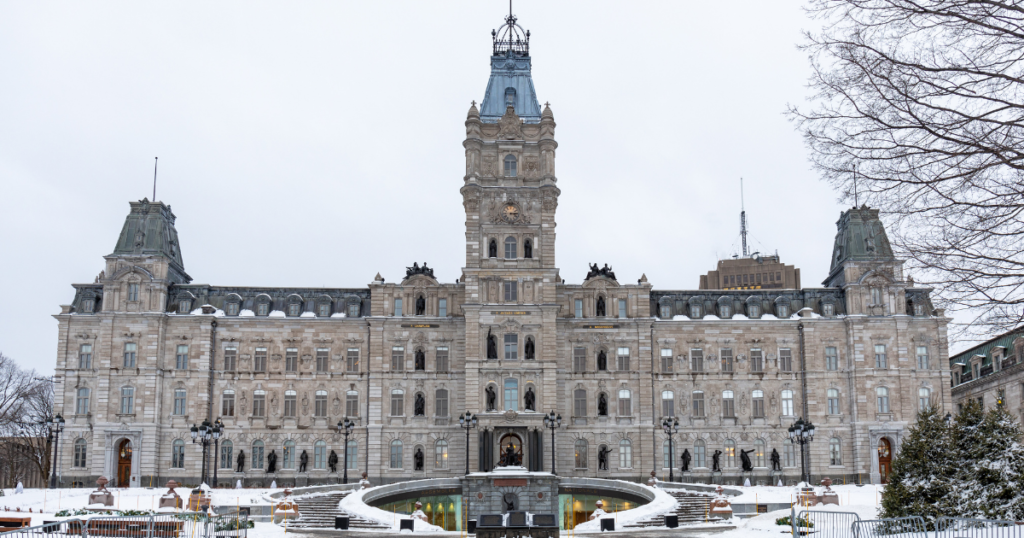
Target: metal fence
(903, 527)
(181, 525)
(958, 527)
(824, 524)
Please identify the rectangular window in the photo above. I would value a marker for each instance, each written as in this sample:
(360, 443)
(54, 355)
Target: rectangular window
(294, 310)
(622, 308)
(442, 308)
(833, 401)
(757, 399)
(396, 454)
(579, 308)
(85, 356)
(579, 359)
(880, 361)
(352, 455)
(181, 358)
(697, 360)
(291, 359)
(728, 404)
(668, 403)
(666, 360)
(787, 403)
(259, 403)
(442, 359)
(227, 403)
(179, 401)
(788, 455)
(625, 403)
(511, 289)
(698, 404)
(82, 402)
(623, 358)
(352, 360)
(289, 403)
(230, 358)
(511, 395)
(352, 404)
(756, 360)
(922, 357)
(511, 347)
(127, 400)
(320, 403)
(398, 307)
(726, 357)
(579, 403)
(324, 310)
(232, 309)
(785, 360)
(397, 358)
(353, 310)
(323, 356)
(441, 403)
(133, 292)
(831, 358)
(130, 349)
(259, 360)
(510, 244)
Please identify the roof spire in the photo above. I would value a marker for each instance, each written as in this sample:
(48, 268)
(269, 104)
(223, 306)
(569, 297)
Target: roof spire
(155, 162)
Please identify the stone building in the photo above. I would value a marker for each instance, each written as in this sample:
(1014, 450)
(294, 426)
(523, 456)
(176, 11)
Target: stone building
(992, 373)
(145, 353)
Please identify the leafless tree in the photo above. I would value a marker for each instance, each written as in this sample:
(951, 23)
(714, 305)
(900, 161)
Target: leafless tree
(919, 108)
(26, 403)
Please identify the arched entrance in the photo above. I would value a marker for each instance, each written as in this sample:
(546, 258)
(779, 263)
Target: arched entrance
(510, 450)
(124, 463)
(884, 459)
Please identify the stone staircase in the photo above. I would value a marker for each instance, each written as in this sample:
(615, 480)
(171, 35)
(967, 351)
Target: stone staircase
(318, 512)
(690, 507)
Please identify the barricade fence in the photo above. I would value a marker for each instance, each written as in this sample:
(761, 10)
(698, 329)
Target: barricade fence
(179, 525)
(958, 527)
(824, 524)
(903, 527)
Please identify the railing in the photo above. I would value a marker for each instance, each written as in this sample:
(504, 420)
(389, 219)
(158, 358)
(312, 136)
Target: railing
(905, 527)
(824, 524)
(181, 525)
(956, 527)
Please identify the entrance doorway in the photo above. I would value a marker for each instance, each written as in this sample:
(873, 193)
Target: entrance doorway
(124, 463)
(884, 459)
(510, 450)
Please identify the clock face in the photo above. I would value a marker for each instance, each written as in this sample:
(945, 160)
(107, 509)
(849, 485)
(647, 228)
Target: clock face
(510, 212)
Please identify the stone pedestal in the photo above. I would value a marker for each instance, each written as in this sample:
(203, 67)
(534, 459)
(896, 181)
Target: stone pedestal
(286, 509)
(490, 493)
(171, 499)
(198, 501)
(101, 495)
(302, 480)
(720, 507)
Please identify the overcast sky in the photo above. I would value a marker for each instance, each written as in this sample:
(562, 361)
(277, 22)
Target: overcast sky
(319, 143)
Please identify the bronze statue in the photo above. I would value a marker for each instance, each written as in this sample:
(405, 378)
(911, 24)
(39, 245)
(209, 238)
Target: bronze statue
(600, 307)
(529, 400)
(492, 397)
(421, 360)
(420, 405)
(272, 462)
(605, 271)
(418, 459)
(492, 250)
(529, 349)
(417, 270)
(332, 461)
(686, 460)
(602, 405)
(776, 466)
(714, 461)
(240, 462)
(510, 455)
(492, 346)
(745, 460)
(602, 457)
(527, 249)
(303, 460)
(421, 305)
(602, 361)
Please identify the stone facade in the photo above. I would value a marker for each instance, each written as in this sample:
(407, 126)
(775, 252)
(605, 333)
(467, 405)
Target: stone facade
(992, 373)
(144, 353)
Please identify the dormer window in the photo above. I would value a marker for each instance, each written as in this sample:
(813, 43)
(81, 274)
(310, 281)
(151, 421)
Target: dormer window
(184, 306)
(262, 309)
(783, 311)
(876, 296)
(828, 310)
(293, 309)
(324, 310)
(510, 97)
(695, 311)
(725, 310)
(353, 310)
(88, 305)
(666, 312)
(918, 310)
(510, 166)
(231, 309)
(754, 311)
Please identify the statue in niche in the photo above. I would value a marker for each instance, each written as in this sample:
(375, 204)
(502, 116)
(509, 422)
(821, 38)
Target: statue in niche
(686, 461)
(529, 400)
(776, 465)
(600, 307)
(332, 461)
(528, 249)
(529, 349)
(421, 305)
(303, 460)
(240, 462)
(510, 502)
(421, 360)
(602, 457)
(418, 459)
(272, 462)
(602, 361)
(745, 460)
(602, 405)
(492, 397)
(420, 405)
(511, 457)
(715, 466)
(492, 250)
(492, 346)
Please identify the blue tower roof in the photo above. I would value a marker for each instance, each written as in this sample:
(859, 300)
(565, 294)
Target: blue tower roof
(510, 82)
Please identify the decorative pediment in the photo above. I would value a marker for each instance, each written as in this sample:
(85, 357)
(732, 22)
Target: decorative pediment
(420, 280)
(510, 126)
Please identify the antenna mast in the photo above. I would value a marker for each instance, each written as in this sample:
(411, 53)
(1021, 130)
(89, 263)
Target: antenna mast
(743, 220)
(156, 161)
(856, 199)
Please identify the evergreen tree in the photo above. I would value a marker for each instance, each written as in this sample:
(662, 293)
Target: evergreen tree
(922, 472)
(990, 477)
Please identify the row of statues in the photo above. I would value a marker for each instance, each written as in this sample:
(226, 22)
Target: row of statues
(529, 350)
(529, 399)
(332, 462)
(745, 462)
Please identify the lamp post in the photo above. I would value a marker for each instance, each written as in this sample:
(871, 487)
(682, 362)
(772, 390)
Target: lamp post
(802, 432)
(218, 427)
(670, 425)
(467, 421)
(202, 435)
(552, 421)
(345, 427)
(55, 425)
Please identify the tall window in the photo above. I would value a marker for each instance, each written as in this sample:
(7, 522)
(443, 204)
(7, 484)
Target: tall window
(880, 361)
(510, 248)
(666, 360)
(127, 400)
(133, 292)
(179, 402)
(442, 359)
(759, 447)
(622, 308)
(352, 360)
(178, 454)
(181, 358)
(351, 403)
(728, 404)
(697, 360)
(322, 359)
(882, 398)
(667, 458)
(352, 455)
(730, 454)
(82, 401)
(623, 358)
(80, 448)
(757, 399)
(320, 402)
(288, 461)
(320, 455)
(511, 347)
(230, 358)
(227, 403)
(130, 349)
(441, 454)
(398, 307)
(397, 402)
(257, 455)
(922, 357)
(396, 454)
(833, 401)
(698, 403)
(511, 291)
(510, 161)
(787, 403)
(85, 356)
(579, 403)
(625, 403)
(876, 296)
(580, 448)
(831, 358)
(726, 357)
(668, 403)
(835, 452)
(511, 395)
(290, 399)
(924, 399)
(259, 403)
(226, 449)
(397, 358)
(291, 359)
(441, 403)
(788, 455)
(259, 360)
(785, 360)
(625, 454)
(756, 360)
(442, 308)
(579, 359)
(699, 449)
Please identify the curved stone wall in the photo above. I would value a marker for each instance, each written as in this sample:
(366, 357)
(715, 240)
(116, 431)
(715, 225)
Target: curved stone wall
(401, 491)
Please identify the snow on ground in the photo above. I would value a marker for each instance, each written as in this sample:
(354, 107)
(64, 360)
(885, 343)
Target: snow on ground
(663, 502)
(353, 504)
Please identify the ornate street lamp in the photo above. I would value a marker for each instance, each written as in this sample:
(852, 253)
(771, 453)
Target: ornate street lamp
(55, 425)
(345, 428)
(802, 432)
(467, 421)
(218, 427)
(202, 435)
(670, 425)
(552, 421)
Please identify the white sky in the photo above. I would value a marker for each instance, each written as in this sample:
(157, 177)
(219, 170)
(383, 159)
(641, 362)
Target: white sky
(318, 143)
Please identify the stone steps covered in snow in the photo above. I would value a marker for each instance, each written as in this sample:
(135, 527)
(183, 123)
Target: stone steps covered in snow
(319, 511)
(690, 507)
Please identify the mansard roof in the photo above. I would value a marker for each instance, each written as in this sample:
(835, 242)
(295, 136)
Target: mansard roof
(149, 231)
(511, 81)
(860, 236)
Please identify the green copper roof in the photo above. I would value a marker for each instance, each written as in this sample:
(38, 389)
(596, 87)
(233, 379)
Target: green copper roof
(860, 237)
(149, 231)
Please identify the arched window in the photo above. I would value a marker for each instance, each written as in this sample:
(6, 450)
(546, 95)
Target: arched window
(835, 452)
(667, 456)
(320, 455)
(511, 395)
(226, 449)
(441, 454)
(924, 398)
(668, 403)
(178, 454)
(581, 453)
(833, 401)
(441, 403)
(625, 454)
(510, 248)
(510, 166)
(397, 402)
(396, 454)
(882, 397)
(288, 461)
(730, 453)
(80, 447)
(257, 455)
(759, 448)
(82, 402)
(699, 449)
